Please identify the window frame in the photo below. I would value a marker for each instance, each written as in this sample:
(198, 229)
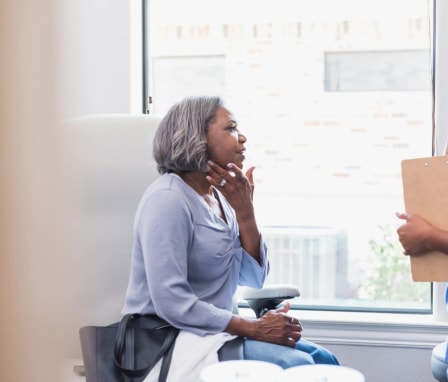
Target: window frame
(438, 313)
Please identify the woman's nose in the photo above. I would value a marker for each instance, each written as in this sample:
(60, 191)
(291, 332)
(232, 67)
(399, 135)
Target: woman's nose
(242, 138)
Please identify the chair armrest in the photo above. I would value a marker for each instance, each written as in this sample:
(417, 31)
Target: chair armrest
(269, 297)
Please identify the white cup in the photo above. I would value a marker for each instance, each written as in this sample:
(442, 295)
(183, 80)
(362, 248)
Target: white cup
(242, 371)
(322, 373)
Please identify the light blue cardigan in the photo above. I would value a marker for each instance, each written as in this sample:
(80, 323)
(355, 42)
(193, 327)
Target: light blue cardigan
(186, 261)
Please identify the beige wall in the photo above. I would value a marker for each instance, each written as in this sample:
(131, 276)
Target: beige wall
(33, 294)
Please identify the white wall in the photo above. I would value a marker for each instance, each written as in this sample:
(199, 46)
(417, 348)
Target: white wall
(55, 63)
(386, 363)
(100, 61)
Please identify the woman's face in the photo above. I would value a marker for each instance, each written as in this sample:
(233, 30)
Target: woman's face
(225, 143)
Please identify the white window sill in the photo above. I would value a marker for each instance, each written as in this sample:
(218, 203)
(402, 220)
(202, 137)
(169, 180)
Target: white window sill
(369, 329)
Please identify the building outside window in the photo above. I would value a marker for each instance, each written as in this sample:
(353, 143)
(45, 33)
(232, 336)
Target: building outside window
(332, 96)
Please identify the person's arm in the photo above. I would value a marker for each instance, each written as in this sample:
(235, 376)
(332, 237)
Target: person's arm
(417, 236)
(275, 326)
(238, 191)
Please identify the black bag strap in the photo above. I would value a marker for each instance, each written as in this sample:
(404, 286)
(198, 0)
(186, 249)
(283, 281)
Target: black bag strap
(165, 351)
(167, 360)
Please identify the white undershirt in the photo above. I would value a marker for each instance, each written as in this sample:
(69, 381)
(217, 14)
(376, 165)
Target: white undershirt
(190, 355)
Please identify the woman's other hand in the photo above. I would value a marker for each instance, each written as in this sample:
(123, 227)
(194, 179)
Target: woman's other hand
(277, 327)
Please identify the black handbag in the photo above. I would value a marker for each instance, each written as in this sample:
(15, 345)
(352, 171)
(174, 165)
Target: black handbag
(127, 350)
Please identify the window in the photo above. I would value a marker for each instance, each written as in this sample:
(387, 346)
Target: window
(331, 102)
(189, 72)
(385, 71)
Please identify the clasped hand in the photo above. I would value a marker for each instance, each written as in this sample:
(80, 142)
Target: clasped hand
(276, 326)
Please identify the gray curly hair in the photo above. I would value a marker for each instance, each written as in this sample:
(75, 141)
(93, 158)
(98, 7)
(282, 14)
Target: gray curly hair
(179, 143)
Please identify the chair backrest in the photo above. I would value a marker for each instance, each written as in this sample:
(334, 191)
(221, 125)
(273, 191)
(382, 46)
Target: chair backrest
(110, 160)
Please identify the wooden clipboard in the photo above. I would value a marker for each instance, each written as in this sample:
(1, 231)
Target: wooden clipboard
(425, 192)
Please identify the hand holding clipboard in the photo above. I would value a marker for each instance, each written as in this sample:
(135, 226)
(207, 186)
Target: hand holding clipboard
(425, 191)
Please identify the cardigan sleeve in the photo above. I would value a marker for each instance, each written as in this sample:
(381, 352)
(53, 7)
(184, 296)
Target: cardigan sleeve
(165, 231)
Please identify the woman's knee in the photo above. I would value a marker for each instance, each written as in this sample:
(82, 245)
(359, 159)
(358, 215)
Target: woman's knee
(281, 355)
(319, 354)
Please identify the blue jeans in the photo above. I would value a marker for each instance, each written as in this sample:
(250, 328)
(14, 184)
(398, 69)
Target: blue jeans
(305, 353)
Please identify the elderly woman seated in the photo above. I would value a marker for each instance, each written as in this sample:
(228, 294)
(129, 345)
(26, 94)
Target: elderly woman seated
(196, 239)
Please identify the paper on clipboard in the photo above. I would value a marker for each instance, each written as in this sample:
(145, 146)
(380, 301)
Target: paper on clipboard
(425, 191)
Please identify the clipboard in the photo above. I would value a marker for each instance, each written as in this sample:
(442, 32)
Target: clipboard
(425, 192)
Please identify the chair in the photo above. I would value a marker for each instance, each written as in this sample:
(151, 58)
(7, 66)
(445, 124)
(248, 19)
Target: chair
(439, 362)
(439, 356)
(111, 163)
(269, 297)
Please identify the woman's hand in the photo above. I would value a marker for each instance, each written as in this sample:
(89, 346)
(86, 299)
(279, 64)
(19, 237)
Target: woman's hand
(250, 178)
(414, 234)
(277, 327)
(237, 187)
